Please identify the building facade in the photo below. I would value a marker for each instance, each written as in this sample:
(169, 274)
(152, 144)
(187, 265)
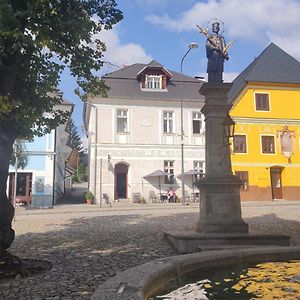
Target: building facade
(266, 109)
(42, 182)
(136, 130)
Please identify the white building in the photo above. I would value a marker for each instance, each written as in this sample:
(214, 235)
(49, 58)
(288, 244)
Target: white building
(136, 130)
(43, 180)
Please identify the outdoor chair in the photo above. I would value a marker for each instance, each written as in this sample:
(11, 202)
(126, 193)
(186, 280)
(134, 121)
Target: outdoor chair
(162, 197)
(152, 197)
(136, 197)
(105, 197)
(187, 197)
(195, 197)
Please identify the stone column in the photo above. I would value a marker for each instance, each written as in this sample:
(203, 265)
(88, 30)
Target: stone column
(220, 205)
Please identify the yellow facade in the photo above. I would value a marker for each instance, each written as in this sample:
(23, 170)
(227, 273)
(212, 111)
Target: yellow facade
(273, 175)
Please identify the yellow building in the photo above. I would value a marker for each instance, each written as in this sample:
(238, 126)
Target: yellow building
(266, 109)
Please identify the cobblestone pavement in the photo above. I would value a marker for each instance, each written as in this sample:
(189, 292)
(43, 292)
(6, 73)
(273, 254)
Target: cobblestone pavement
(87, 244)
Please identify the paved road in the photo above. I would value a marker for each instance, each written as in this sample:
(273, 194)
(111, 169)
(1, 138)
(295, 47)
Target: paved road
(88, 244)
(76, 194)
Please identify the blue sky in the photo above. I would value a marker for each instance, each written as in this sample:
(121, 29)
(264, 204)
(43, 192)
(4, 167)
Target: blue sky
(162, 30)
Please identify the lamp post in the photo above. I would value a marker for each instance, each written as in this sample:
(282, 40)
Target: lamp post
(191, 46)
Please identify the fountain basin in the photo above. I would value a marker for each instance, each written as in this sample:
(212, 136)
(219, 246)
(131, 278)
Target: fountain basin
(152, 278)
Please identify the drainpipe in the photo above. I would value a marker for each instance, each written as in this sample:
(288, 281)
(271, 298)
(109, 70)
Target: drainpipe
(96, 142)
(101, 164)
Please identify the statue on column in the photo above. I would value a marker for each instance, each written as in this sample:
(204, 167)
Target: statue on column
(216, 52)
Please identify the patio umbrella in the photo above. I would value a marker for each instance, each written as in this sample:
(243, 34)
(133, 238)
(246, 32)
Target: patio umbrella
(190, 173)
(157, 174)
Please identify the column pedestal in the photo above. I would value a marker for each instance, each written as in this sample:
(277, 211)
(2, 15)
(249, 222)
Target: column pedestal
(220, 204)
(220, 207)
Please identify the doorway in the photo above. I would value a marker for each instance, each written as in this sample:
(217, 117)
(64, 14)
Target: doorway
(276, 183)
(121, 181)
(24, 187)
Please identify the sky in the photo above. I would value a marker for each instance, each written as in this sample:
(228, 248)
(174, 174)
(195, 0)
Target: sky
(163, 29)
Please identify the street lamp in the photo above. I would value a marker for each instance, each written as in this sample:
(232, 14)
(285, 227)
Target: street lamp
(191, 46)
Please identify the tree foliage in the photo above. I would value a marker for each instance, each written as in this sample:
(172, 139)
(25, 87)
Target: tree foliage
(38, 39)
(74, 139)
(19, 155)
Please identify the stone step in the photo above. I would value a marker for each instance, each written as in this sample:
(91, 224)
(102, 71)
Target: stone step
(229, 247)
(190, 241)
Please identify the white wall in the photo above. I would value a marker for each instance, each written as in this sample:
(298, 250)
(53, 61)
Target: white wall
(146, 148)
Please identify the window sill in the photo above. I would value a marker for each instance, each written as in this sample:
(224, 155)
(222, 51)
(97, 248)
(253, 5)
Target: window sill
(154, 90)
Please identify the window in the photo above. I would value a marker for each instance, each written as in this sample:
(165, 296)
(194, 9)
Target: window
(154, 82)
(267, 144)
(168, 122)
(199, 168)
(262, 102)
(243, 175)
(169, 168)
(197, 122)
(239, 144)
(122, 122)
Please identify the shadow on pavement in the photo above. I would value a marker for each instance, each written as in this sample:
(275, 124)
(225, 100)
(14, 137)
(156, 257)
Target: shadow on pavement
(89, 250)
(75, 196)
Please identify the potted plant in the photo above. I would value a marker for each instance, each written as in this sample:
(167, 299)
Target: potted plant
(89, 196)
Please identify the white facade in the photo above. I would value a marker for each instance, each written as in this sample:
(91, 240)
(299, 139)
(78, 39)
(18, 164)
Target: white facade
(144, 145)
(42, 181)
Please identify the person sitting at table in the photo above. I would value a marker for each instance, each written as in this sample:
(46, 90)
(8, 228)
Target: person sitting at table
(171, 195)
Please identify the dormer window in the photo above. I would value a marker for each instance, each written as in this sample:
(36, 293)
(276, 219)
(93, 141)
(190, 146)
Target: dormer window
(154, 78)
(154, 82)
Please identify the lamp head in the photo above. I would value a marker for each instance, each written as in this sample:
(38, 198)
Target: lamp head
(193, 45)
(229, 127)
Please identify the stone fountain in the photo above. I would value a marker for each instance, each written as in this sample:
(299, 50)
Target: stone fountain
(220, 224)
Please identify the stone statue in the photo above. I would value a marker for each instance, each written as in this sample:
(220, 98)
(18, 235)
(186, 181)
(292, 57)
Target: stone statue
(216, 52)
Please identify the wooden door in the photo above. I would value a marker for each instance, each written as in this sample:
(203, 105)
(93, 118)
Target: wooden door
(276, 183)
(121, 181)
(24, 187)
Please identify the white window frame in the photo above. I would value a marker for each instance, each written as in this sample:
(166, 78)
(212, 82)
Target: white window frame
(170, 122)
(261, 149)
(269, 96)
(153, 82)
(197, 118)
(199, 165)
(245, 185)
(169, 169)
(122, 116)
(246, 137)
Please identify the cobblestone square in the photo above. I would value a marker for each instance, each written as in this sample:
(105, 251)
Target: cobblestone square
(87, 244)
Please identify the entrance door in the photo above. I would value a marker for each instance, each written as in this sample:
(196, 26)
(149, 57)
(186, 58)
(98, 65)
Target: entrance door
(121, 181)
(276, 183)
(24, 187)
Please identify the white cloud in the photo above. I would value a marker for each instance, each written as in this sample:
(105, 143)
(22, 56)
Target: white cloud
(157, 4)
(229, 77)
(257, 21)
(122, 54)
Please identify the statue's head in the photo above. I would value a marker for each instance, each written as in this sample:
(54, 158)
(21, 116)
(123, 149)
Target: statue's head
(215, 27)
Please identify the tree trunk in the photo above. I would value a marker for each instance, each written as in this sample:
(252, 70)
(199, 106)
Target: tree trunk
(7, 211)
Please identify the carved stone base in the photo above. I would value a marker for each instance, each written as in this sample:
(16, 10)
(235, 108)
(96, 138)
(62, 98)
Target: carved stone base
(220, 205)
(207, 227)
